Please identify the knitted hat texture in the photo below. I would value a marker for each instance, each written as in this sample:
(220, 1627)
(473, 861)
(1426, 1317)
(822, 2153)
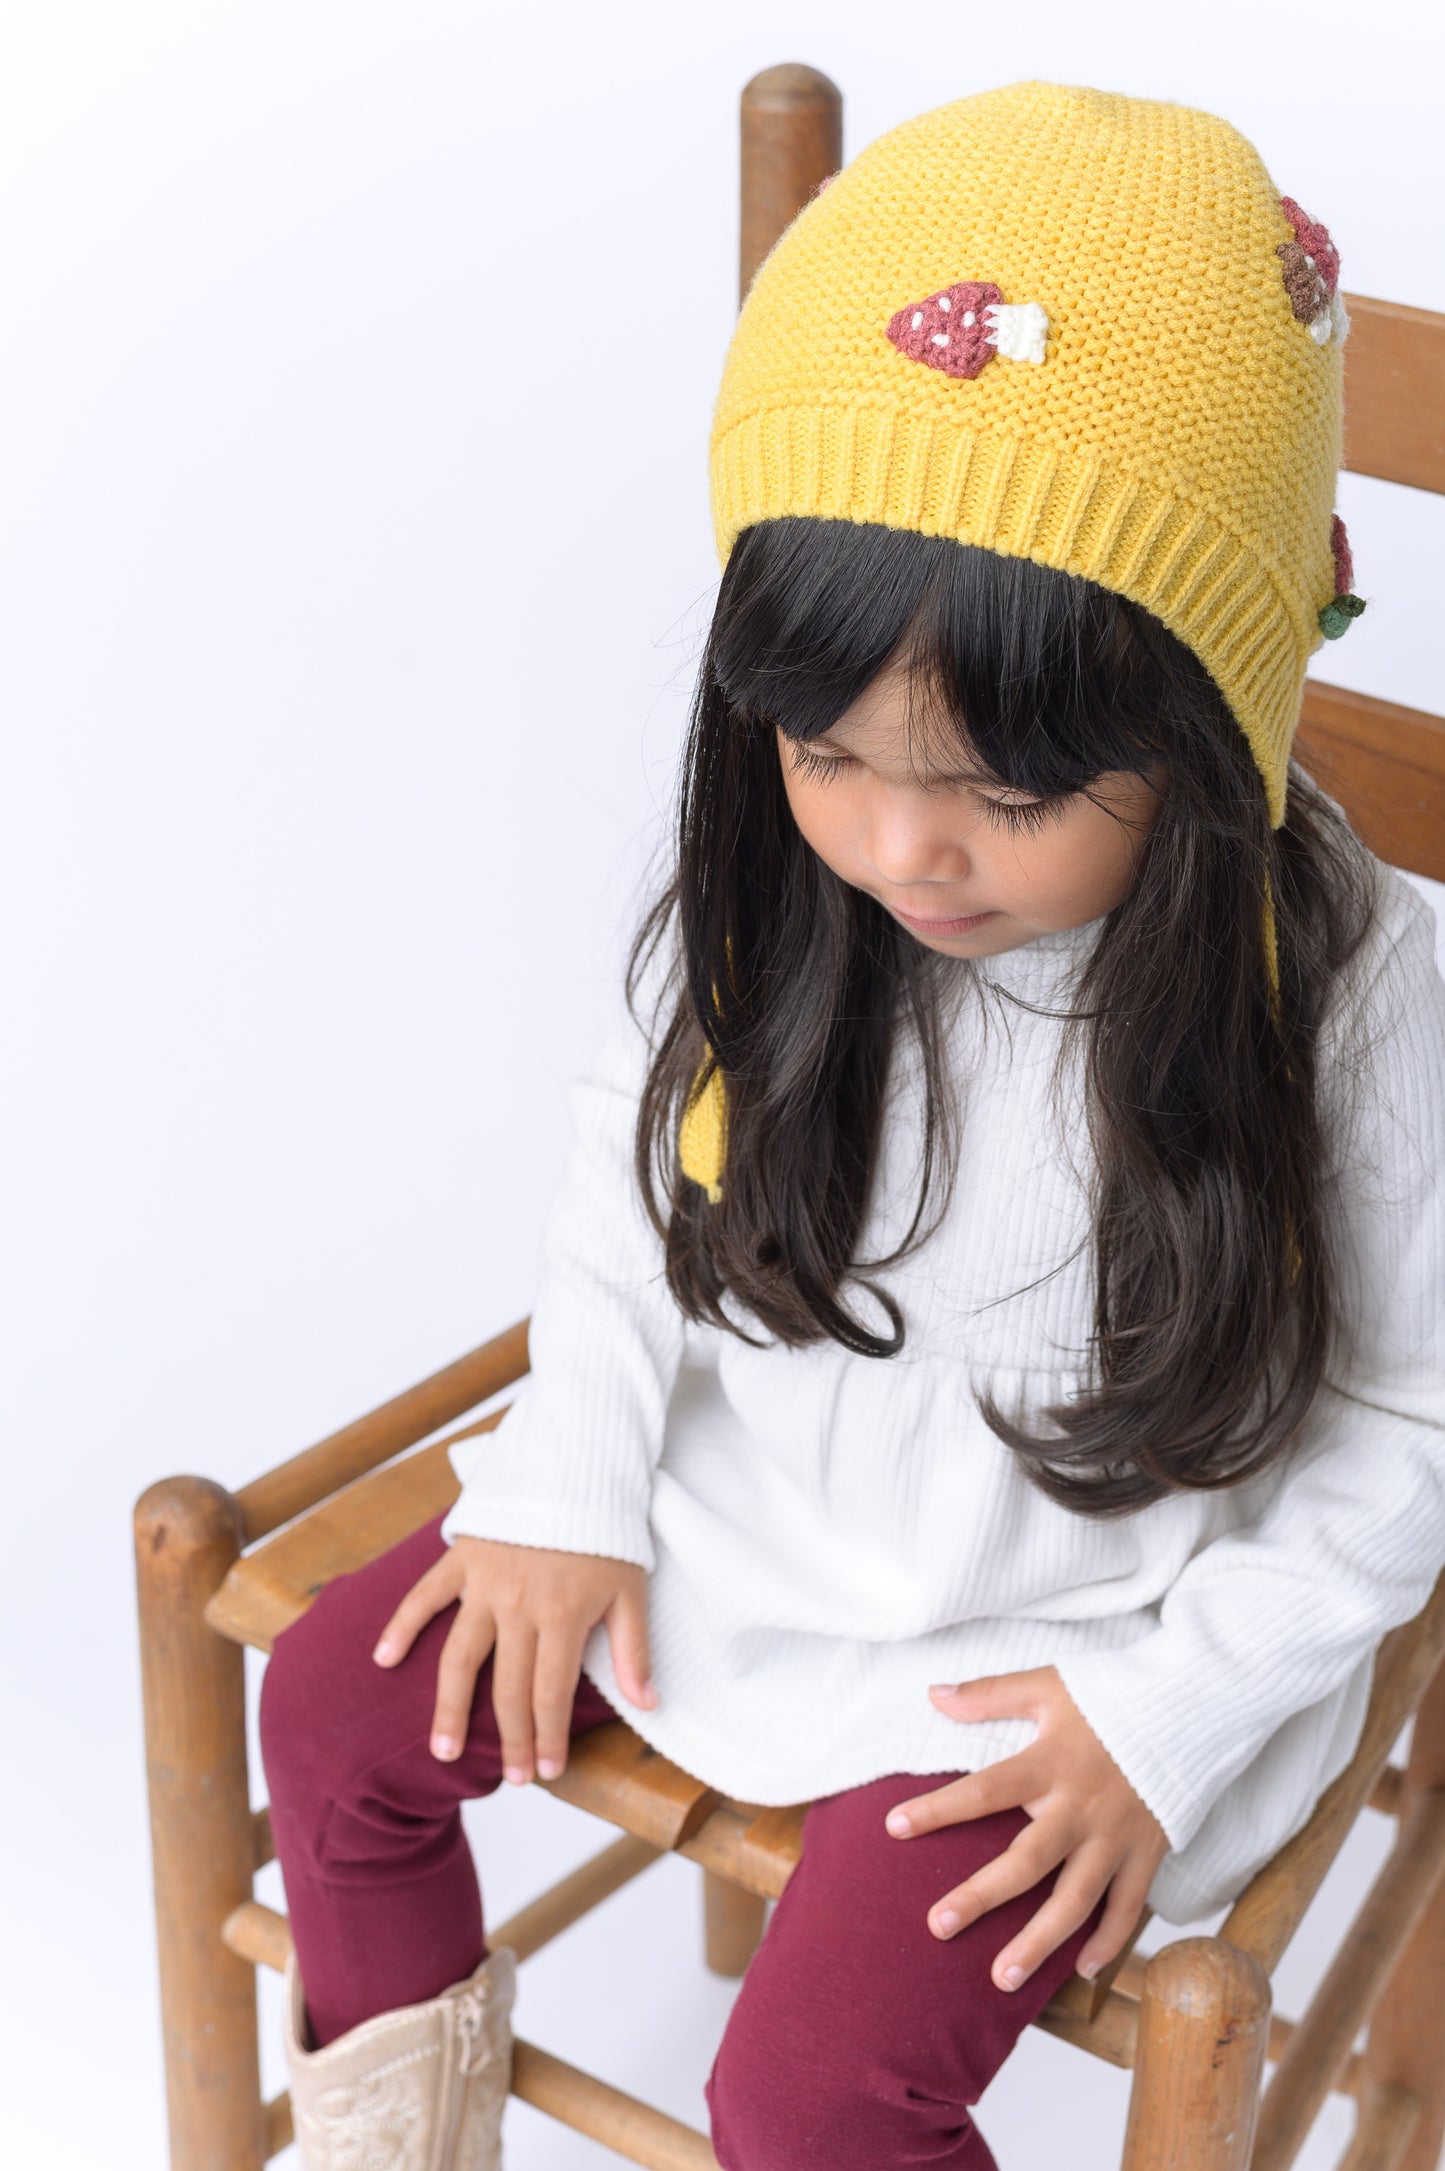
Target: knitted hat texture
(1072, 326)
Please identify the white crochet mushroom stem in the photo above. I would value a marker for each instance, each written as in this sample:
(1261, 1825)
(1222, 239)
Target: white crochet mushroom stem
(1331, 328)
(1019, 330)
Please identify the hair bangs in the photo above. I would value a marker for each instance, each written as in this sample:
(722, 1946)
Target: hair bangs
(1044, 680)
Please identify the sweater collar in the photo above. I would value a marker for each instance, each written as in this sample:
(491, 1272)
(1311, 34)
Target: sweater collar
(1047, 968)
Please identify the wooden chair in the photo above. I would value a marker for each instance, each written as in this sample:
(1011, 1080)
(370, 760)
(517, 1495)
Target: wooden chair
(218, 1570)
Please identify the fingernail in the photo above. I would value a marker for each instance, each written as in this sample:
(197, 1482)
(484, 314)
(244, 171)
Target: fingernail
(898, 1823)
(1012, 1977)
(382, 1653)
(515, 1773)
(942, 1688)
(948, 1921)
(443, 1745)
(1088, 1969)
(547, 1768)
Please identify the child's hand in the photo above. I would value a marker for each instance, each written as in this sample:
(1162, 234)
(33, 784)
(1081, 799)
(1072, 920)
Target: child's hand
(538, 1606)
(1084, 1814)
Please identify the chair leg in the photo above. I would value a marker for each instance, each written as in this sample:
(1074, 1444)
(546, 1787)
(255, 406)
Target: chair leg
(187, 1533)
(733, 1922)
(1203, 2035)
(1406, 2045)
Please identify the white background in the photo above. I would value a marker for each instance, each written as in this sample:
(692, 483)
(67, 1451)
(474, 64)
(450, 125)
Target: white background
(354, 558)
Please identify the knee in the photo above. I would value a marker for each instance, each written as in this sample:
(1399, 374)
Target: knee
(326, 1707)
(789, 2111)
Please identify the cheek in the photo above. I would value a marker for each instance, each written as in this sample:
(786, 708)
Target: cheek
(820, 815)
(1091, 864)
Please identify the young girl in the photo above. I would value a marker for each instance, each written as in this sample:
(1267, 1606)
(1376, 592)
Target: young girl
(986, 1377)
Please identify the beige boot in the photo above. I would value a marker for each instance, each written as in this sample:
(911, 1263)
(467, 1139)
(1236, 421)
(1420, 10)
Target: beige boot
(422, 2088)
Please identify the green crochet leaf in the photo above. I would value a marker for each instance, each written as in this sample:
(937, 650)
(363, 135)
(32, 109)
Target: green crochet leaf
(1337, 617)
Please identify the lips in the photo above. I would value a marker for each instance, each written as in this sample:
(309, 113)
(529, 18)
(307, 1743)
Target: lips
(934, 924)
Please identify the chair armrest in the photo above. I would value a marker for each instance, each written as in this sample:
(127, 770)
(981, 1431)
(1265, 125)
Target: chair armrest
(1269, 1910)
(293, 1486)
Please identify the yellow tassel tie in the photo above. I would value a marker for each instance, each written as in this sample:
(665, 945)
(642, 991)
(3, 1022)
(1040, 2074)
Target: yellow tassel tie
(702, 1135)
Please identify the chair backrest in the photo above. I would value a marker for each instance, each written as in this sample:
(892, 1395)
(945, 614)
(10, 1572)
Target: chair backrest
(1383, 762)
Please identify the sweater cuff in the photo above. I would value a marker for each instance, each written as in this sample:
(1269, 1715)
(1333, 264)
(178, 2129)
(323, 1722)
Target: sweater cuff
(1137, 1704)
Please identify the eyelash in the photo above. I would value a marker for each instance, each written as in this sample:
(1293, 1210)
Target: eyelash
(1029, 814)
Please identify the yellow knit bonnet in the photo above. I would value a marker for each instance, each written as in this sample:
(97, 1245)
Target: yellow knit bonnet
(1071, 326)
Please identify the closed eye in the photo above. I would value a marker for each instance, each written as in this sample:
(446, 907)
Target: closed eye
(822, 766)
(1016, 814)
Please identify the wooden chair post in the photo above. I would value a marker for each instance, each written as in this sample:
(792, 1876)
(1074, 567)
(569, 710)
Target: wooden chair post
(733, 1924)
(187, 1535)
(791, 139)
(1403, 2048)
(1202, 2040)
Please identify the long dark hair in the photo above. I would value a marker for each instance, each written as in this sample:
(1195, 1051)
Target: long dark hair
(1214, 1285)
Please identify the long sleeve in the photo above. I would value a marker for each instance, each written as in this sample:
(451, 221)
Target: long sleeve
(1267, 1620)
(571, 1464)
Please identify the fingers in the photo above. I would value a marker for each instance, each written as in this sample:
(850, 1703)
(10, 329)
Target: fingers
(1074, 1897)
(513, 1668)
(437, 1588)
(554, 1691)
(1127, 1894)
(1004, 1785)
(469, 1639)
(627, 1635)
(1018, 1869)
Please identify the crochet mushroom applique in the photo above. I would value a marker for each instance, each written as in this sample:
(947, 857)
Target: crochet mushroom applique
(963, 327)
(1311, 267)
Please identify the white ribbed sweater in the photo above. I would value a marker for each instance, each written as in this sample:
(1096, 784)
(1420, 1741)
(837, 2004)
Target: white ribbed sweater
(826, 1534)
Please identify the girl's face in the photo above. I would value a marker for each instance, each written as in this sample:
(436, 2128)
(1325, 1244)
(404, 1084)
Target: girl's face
(960, 861)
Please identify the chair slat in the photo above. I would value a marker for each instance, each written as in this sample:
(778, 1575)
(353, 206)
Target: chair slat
(1395, 392)
(612, 1772)
(275, 1583)
(1386, 766)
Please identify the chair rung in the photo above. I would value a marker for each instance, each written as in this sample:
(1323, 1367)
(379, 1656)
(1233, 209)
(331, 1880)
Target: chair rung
(263, 1846)
(619, 2121)
(575, 1895)
(258, 1934)
(262, 1936)
(1318, 2052)
(276, 2125)
(1385, 2130)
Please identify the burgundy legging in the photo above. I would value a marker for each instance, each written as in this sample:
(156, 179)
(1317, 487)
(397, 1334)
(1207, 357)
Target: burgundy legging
(858, 2040)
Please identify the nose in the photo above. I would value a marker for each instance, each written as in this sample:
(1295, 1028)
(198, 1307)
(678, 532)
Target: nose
(915, 837)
